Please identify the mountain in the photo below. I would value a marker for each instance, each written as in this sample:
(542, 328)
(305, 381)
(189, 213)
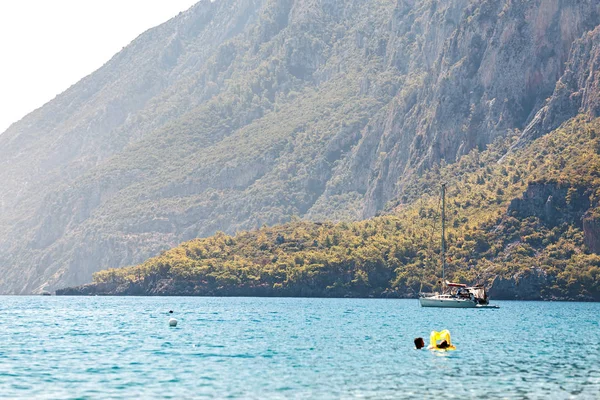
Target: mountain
(525, 224)
(243, 113)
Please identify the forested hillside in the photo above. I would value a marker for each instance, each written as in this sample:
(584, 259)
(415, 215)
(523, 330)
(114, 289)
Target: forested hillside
(525, 224)
(243, 113)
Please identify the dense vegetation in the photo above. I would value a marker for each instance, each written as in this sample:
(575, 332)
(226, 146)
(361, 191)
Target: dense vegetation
(501, 226)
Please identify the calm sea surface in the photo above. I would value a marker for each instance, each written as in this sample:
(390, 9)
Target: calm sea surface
(101, 348)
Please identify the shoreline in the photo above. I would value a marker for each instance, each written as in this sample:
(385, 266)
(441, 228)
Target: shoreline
(77, 292)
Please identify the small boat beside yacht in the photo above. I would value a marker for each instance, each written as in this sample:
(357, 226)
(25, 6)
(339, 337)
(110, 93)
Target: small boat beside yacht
(454, 295)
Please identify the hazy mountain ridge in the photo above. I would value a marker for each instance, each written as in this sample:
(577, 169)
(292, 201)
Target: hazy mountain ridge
(240, 113)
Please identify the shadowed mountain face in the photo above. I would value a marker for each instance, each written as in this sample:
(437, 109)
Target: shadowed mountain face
(239, 113)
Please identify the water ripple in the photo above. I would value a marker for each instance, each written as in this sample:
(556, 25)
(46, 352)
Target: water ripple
(112, 348)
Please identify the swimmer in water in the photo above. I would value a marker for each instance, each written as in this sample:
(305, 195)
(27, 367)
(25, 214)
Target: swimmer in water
(419, 343)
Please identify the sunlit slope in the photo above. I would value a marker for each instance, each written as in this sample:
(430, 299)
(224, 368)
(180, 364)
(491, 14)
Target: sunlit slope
(524, 223)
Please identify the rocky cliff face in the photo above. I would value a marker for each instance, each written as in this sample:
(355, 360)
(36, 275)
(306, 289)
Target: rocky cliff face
(500, 62)
(591, 231)
(528, 285)
(577, 91)
(242, 113)
(553, 204)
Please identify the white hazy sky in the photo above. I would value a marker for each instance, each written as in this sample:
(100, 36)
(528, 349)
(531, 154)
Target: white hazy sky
(48, 45)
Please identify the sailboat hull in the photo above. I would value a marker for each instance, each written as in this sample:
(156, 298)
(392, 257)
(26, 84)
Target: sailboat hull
(447, 302)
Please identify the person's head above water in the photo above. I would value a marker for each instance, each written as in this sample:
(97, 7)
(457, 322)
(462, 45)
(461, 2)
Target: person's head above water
(443, 345)
(419, 343)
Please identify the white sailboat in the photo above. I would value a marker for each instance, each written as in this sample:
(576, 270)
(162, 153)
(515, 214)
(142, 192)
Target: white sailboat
(454, 295)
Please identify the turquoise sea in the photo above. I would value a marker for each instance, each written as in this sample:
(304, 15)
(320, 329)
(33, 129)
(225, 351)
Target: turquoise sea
(122, 347)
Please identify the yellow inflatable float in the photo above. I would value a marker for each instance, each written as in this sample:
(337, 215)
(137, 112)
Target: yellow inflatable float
(437, 339)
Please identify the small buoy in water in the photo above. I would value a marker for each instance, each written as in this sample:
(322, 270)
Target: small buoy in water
(172, 322)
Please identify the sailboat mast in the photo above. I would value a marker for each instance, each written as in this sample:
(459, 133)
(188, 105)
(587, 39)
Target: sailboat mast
(443, 236)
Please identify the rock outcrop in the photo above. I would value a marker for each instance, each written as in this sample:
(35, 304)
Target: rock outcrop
(577, 91)
(527, 285)
(552, 203)
(591, 231)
